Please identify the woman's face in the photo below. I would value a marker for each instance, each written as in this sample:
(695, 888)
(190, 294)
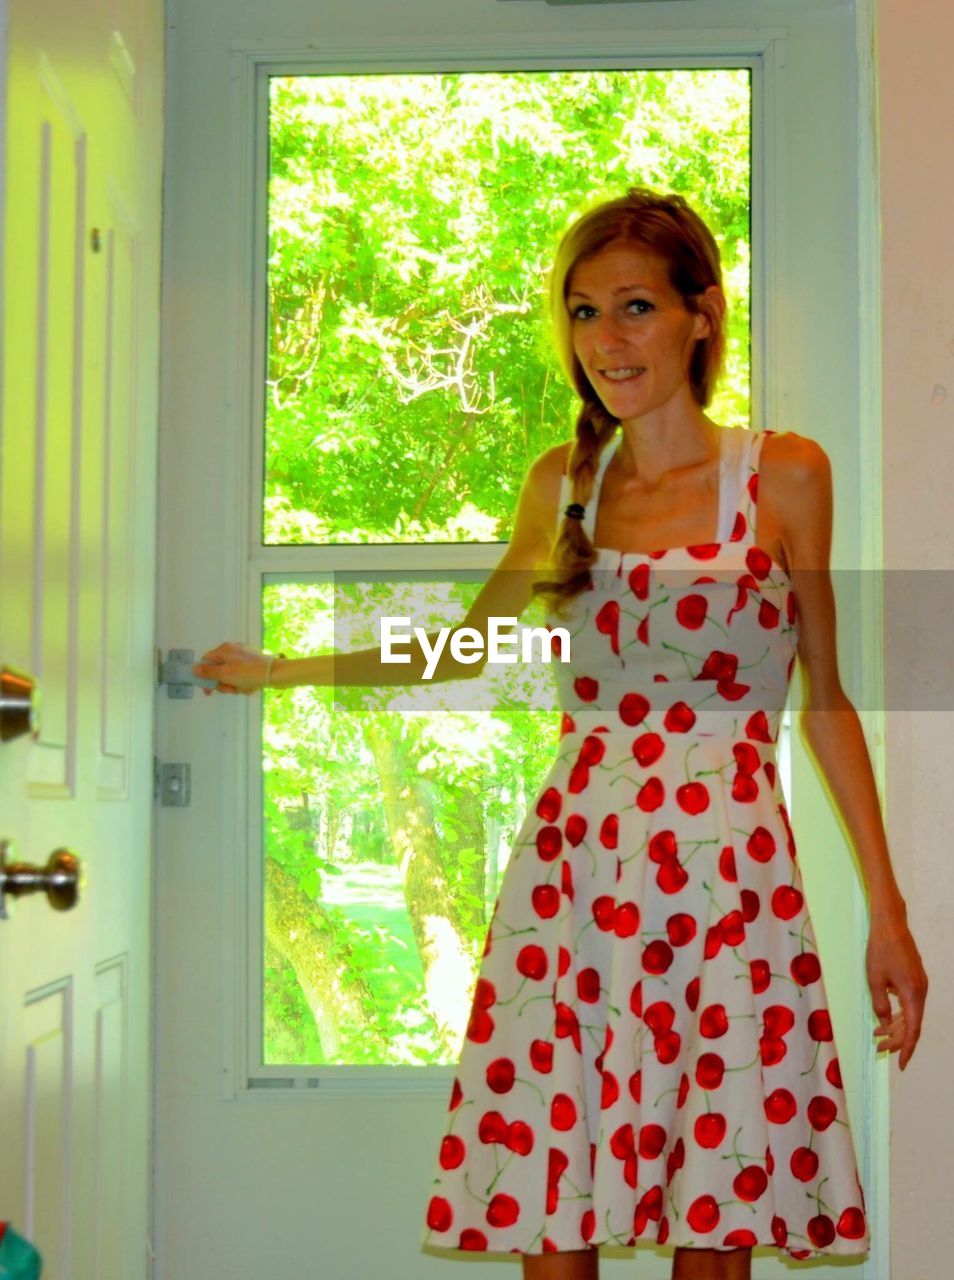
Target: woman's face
(631, 331)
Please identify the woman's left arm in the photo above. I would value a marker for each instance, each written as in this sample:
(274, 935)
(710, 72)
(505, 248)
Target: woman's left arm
(832, 730)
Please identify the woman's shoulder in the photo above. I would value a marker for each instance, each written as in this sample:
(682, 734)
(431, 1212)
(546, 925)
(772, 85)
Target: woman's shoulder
(791, 463)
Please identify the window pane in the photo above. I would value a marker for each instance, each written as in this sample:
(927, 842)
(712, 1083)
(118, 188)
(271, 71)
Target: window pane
(412, 219)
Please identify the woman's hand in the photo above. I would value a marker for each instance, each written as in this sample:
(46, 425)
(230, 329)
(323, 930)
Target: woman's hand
(237, 668)
(894, 965)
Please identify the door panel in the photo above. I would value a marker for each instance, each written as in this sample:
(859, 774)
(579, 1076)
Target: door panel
(77, 442)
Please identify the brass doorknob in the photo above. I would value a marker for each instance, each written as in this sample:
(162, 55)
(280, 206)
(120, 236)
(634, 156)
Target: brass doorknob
(19, 705)
(59, 879)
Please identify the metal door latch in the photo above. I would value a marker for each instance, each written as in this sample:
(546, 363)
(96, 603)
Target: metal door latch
(173, 785)
(175, 672)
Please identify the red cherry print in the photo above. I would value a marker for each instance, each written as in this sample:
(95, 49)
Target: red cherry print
(532, 962)
(557, 1165)
(740, 1238)
(833, 1074)
(733, 928)
(739, 528)
(772, 1050)
(473, 1239)
(566, 880)
(692, 994)
(709, 1070)
(672, 876)
(713, 942)
(751, 905)
(622, 1143)
(549, 804)
(681, 928)
(626, 919)
(480, 1026)
(704, 550)
(588, 985)
(747, 759)
(579, 778)
(783, 814)
(609, 831)
(757, 727)
(768, 615)
(556, 643)
(761, 974)
(647, 749)
(791, 606)
(758, 562)
(501, 1074)
(563, 961)
(727, 867)
(806, 969)
(804, 1164)
(607, 623)
(492, 1128)
(456, 1097)
(691, 611)
(821, 1230)
(636, 999)
(851, 1224)
(503, 1211)
(745, 789)
(662, 845)
(636, 1085)
(750, 1183)
(667, 1046)
(651, 795)
(541, 1056)
(778, 1020)
(452, 1152)
(588, 1224)
(633, 708)
(657, 957)
(562, 1112)
(769, 768)
(779, 1230)
(710, 1129)
(821, 1113)
(592, 750)
(761, 846)
(679, 718)
(693, 797)
(732, 691)
(575, 829)
(659, 1017)
(719, 666)
(567, 1024)
(549, 843)
(713, 1021)
(639, 581)
(780, 1106)
(652, 1140)
(520, 1138)
(546, 900)
(586, 688)
(610, 1090)
(819, 1025)
(703, 1214)
(567, 724)
(440, 1216)
(683, 1093)
(604, 912)
(484, 993)
(787, 901)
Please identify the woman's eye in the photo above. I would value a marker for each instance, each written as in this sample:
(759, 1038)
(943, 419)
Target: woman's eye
(582, 312)
(641, 305)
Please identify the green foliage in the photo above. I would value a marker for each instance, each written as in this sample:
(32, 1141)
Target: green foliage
(411, 381)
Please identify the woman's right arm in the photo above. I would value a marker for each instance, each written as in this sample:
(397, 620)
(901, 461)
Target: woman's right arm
(505, 594)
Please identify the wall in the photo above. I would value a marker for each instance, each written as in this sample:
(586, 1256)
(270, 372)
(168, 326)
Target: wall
(916, 95)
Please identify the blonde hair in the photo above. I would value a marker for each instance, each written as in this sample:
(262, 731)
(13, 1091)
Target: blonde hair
(669, 228)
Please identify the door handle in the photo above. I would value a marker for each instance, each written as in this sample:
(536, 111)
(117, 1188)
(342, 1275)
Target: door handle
(59, 879)
(19, 705)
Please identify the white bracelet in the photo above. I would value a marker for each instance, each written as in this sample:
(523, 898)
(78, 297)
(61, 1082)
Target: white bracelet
(268, 670)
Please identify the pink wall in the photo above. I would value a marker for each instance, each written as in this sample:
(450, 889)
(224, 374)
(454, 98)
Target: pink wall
(916, 109)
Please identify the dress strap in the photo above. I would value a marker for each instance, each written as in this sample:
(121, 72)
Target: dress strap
(589, 516)
(749, 496)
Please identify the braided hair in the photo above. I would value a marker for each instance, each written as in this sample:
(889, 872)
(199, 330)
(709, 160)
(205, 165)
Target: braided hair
(669, 228)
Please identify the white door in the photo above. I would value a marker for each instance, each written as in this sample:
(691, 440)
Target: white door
(82, 142)
(312, 1172)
